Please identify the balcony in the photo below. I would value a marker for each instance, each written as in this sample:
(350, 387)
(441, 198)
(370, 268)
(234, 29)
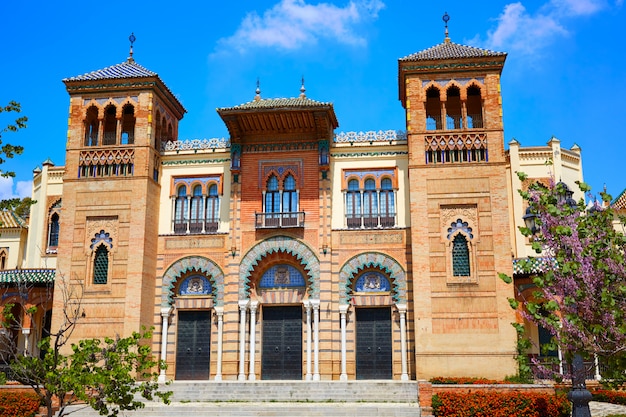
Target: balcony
(279, 220)
(371, 222)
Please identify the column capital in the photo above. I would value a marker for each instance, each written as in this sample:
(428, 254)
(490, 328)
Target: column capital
(219, 311)
(166, 311)
(315, 303)
(343, 308)
(26, 330)
(243, 304)
(401, 308)
(254, 304)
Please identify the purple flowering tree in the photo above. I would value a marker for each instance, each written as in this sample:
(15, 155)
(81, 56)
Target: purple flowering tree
(581, 296)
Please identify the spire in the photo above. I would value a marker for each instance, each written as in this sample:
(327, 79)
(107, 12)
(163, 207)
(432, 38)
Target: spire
(257, 97)
(446, 18)
(302, 89)
(132, 40)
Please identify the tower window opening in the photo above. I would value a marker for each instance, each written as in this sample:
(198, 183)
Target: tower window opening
(454, 117)
(433, 109)
(91, 127)
(110, 125)
(474, 108)
(128, 125)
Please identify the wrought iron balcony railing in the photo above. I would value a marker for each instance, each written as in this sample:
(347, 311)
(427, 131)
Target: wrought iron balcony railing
(279, 220)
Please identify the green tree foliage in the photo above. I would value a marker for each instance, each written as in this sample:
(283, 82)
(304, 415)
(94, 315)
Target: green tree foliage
(108, 375)
(8, 151)
(580, 297)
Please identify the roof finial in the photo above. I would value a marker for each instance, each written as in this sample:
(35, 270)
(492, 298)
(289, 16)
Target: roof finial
(258, 90)
(446, 19)
(132, 40)
(302, 89)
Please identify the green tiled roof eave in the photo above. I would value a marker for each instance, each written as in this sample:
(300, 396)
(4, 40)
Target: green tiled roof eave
(536, 266)
(29, 276)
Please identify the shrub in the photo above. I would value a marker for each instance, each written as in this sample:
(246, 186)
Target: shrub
(500, 404)
(18, 404)
(3, 378)
(609, 396)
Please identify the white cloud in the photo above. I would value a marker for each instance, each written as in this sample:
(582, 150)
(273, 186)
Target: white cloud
(524, 32)
(8, 189)
(290, 24)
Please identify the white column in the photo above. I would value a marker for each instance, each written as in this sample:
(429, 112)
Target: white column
(26, 334)
(173, 212)
(165, 315)
(343, 310)
(597, 366)
(316, 339)
(253, 306)
(188, 215)
(307, 306)
(402, 310)
(219, 311)
(243, 306)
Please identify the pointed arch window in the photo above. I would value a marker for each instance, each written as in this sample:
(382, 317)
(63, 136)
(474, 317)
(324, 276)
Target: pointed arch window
(212, 209)
(197, 216)
(454, 118)
(110, 125)
(370, 204)
(353, 204)
(128, 125)
(53, 231)
(474, 108)
(92, 125)
(181, 210)
(3, 258)
(433, 109)
(387, 203)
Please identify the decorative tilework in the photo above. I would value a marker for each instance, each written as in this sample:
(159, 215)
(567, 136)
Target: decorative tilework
(197, 264)
(369, 260)
(279, 244)
(532, 265)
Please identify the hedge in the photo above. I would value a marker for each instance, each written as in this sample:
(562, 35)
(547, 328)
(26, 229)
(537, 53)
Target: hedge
(608, 396)
(500, 404)
(18, 404)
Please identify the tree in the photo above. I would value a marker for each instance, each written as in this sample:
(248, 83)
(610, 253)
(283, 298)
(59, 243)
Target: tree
(8, 151)
(104, 374)
(580, 297)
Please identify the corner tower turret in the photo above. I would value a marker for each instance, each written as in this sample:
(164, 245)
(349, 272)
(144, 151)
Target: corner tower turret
(118, 118)
(459, 214)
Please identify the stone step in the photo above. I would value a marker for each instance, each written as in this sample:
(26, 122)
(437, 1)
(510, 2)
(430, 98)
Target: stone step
(258, 409)
(281, 399)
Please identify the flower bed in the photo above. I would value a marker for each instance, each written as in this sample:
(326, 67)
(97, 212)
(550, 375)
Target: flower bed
(609, 396)
(465, 381)
(18, 404)
(500, 404)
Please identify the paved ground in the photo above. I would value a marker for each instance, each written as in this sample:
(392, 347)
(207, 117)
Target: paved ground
(605, 409)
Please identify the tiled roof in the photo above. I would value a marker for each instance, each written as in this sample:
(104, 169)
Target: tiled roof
(278, 103)
(450, 50)
(10, 220)
(620, 202)
(127, 69)
(532, 265)
(29, 276)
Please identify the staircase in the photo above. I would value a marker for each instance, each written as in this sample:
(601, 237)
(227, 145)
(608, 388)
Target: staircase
(282, 399)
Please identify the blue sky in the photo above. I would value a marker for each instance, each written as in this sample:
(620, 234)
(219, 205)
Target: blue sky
(564, 74)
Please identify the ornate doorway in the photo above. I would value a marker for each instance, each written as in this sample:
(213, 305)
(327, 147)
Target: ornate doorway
(373, 343)
(193, 345)
(282, 343)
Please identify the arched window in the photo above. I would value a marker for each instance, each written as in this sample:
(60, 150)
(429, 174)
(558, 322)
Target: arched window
(128, 125)
(181, 211)
(110, 125)
(372, 281)
(433, 109)
(387, 204)
(101, 265)
(460, 256)
(353, 204)
(157, 131)
(53, 231)
(212, 209)
(272, 202)
(195, 223)
(454, 119)
(474, 108)
(164, 136)
(195, 285)
(3, 259)
(290, 201)
(370, 204)
(91, 127)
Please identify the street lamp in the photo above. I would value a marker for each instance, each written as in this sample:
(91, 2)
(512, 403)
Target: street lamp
(530, 219)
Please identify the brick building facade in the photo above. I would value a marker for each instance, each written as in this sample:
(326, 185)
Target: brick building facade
(290, 251)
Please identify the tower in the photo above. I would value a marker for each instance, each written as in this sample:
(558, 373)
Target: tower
(460, 233)
(118, 118)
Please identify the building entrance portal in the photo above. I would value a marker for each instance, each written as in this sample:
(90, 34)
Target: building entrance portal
(193, 345)
(282, 343)
(373, 343)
